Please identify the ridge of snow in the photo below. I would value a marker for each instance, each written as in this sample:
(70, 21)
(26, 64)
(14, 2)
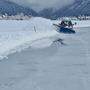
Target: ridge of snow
(18, 35)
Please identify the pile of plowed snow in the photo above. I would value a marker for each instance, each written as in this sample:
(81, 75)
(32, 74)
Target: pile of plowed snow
(18, 35)
(37, 33)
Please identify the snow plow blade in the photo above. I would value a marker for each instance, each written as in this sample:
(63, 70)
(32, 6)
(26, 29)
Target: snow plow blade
(66, 30)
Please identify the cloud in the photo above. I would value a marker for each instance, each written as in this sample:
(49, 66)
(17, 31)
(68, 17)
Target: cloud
(40, 4)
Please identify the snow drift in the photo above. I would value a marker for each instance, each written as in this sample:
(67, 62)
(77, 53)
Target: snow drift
(18, 35)
(36, 32)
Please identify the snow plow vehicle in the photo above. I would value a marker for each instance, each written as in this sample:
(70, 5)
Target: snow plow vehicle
(65, 27)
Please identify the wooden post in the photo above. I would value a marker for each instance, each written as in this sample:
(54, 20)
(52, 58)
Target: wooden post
(35, 29)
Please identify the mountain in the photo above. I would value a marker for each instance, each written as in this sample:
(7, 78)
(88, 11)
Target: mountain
(79, 7)
(12, 8)
(47, 13)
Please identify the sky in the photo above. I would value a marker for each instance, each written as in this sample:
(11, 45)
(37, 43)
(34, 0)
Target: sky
(41, 4)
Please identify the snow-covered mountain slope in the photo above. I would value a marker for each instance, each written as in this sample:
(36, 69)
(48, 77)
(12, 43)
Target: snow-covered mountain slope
(79, 7)
(12, 8)
(47, 13)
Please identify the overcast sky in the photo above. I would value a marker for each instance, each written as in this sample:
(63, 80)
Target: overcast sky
(40, 4)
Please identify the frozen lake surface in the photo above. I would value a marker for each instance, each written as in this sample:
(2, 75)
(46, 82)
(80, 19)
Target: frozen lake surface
(57, 67)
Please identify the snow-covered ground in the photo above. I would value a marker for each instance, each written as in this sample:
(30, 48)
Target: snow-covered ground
(82, 23)
(17, 35)
(43, 64)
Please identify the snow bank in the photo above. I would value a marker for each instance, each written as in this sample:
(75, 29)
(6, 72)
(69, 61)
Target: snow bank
(82, 23)
(18, 35)
(36, 32)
